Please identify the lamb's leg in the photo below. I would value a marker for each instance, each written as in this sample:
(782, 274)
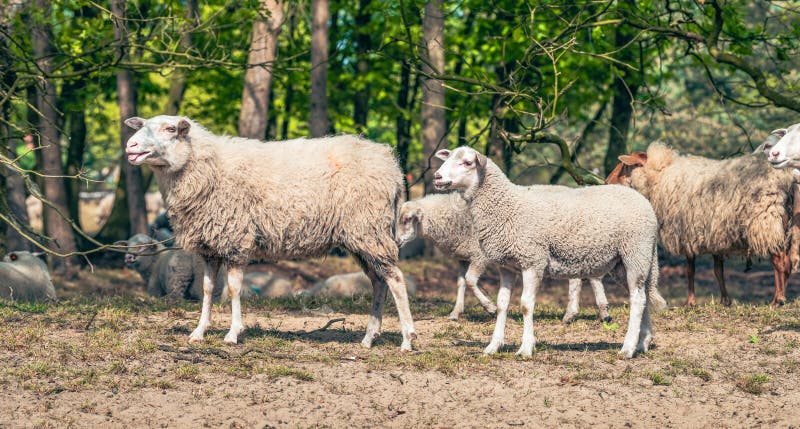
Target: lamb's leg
(719, 273)
(573, 306)
(600, 299)
(462, 286)
(530, 282)
(638, 298)
(474, 273)
(235, 276)
(690, 301)
(503, 298)
(209, 275)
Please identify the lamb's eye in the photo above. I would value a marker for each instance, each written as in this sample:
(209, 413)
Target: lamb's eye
(467, 163)
(170, 129)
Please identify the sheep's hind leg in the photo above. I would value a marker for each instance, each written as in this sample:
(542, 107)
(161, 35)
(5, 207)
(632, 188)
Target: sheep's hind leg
(397, 286)
(638, 298)
(574, 297)
(235, 276)
(472, 276)
(379, 288)
(209, 276)
(462, 286)
(600, 299)
(503, 298)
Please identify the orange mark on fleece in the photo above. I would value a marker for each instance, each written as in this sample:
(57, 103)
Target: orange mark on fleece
(335, 163)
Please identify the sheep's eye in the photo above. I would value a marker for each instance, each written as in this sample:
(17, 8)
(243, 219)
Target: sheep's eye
(13, 257)
(467, 163)
(171, 129)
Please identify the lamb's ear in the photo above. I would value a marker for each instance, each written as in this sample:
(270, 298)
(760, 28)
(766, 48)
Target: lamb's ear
(641, 159)
(135, 122)
(183, 127)
(443, 154)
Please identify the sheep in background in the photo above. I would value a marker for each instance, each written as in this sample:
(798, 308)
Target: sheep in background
(351, 284)
(168, 272)
(161, 230)
(785, 152)
(234, 200)
(445, 220)
(24, 277)
(721, 207)
(563, 233)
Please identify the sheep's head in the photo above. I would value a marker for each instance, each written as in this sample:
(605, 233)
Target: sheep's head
(462, 169)
(408, 223)
(137, 245)
(785, 152)
(621, 174)
(159, 141)
(24, 257)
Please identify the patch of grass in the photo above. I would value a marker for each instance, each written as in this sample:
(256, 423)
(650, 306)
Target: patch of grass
(188, 372)
(277, 371)
(659, 378)
(701, 374)
(755, 384)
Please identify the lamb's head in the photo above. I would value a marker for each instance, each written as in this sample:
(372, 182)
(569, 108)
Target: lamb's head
(23, 257)
(138, 245)
(462, 170)
(159, 141)
(623, 172)
(408, 222)
(785, 152)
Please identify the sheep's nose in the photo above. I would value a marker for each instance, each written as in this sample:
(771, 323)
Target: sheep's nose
(131, 144)
(437, 176)
(775, 153)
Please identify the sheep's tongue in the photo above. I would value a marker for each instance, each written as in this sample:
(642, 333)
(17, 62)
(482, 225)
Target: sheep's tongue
(133, 157)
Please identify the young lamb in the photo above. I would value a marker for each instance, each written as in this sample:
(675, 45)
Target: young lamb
(24, 277)
(565, 233)
(721, 207)
(445, 220)
(174, 273)
(234, 200)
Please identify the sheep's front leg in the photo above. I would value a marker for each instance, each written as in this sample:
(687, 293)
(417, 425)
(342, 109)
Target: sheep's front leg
(503, 298)
(600, 299)
(235, 276)
(530, 282)
(462, 286)
(574, 298)
(209, 276)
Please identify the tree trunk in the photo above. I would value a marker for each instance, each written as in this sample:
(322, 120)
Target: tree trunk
(625, 88)
(12, 185)
(56, 227)
(260, 63)
(363, 46)
(402, 123)
(177, 85)
(432, 110)
(318, 118)
(126, 97)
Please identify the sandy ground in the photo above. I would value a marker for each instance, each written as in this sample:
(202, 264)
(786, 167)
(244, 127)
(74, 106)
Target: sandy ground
(108, 356)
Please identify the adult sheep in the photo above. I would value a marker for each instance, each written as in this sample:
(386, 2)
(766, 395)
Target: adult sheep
(564, 233)
(719, 207)
(234, 200)
(445, 220)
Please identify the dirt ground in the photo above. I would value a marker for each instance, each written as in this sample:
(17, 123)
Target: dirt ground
(109, 356)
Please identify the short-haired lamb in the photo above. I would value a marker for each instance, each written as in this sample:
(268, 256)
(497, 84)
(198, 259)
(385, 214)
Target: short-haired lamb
(24, 277)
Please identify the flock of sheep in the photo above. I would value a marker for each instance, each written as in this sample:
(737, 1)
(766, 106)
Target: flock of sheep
(233, 200)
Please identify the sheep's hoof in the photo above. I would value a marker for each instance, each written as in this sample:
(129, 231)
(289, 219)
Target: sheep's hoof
(193, 339)
(726, 301)
(491, 349)
(690, 303)
(606, 319)
(569, 318)
(231, 338)
(453, 316)
(627, 352)
(196, 336)
(524, 353)
(406, 347)
(368, 339)
(778, 302)
(490, 308)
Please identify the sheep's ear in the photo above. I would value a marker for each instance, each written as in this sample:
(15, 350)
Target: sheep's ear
(183, 127)
(122, 243)
(135, 122)
(779, 133)
(443, 154)
(633, 160)
(480, 159)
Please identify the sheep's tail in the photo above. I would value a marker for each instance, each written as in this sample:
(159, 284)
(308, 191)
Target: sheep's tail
(655, 300)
